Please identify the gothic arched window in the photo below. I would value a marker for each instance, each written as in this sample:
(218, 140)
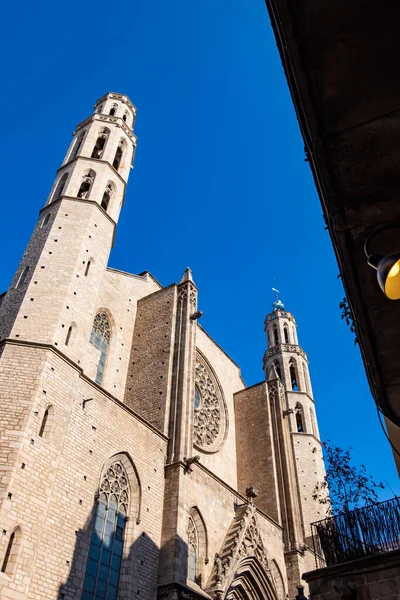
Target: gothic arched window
(45, 220)
(87, 268)
(77, 146)
(276, 336)
(100, 109)
(100, 338)
(100, 143)
(286, 334)
(60, 187)
(106, 544)
(86, 185)
(12, 551)
(313, 423)
(108, 193)
(294, 380)
(47, 422)
(22, 277)
(118, 155)
(193, 545)
(125, 117)
(70, 334)
(113, 110)
(300, 425)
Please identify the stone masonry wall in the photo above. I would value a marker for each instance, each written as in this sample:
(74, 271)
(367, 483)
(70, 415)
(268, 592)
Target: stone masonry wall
(48, 483)
(255, 448)
(148, 386)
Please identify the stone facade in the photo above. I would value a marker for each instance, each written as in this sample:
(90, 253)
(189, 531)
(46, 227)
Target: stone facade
(130, 447)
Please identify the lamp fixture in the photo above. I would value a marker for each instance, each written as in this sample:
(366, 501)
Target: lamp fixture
(387, 267)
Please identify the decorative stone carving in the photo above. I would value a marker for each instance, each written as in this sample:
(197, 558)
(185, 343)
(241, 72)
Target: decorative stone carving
(210, 421)
(115, 483)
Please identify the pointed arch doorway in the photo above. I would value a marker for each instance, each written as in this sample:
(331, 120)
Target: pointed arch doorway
(251, 582)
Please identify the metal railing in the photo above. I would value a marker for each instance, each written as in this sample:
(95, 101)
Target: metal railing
(362, 532)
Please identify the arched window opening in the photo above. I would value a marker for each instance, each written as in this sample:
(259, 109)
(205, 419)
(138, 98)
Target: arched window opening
(68, 337)
(100, 338)
(125, 117)
(286, 334)
(192, 551)
(108, 192)
(86, 185)
(100, 144)
(197, 547)
(45, 220)
(77, 146)
(293, 376)
(60, 187)
(87, 268)
(113, 110)
(47, 421)
(118, 155)
(22, 277)
(107, 540)
(278, 369)
(12, 550)
(306, 379)
(100, 109)
(276, 335)
(313, 423)
(299, 418)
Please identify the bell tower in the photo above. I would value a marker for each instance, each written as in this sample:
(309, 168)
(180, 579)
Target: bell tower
(52, 298)
(286, 359)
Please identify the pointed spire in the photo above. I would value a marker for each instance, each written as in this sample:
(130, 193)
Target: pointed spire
(273, 374)
(187, 276)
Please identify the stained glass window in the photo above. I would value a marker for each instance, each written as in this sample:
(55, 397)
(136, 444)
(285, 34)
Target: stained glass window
(100, 338)
(106, 545)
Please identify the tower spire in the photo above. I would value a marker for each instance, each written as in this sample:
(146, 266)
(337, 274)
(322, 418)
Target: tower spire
(277, 304)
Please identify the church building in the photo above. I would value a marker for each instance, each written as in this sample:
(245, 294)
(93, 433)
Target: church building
(134, 461)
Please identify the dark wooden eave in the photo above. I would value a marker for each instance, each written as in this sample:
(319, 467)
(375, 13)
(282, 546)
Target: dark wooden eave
(341, 59)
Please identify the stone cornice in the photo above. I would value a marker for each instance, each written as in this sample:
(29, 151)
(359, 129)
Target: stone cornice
(122, 97)
(86, 379)
(97, 160)
(118, 121)
(281, 348)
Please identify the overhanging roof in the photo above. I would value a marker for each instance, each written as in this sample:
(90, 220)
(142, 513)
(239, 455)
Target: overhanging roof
(341, 60)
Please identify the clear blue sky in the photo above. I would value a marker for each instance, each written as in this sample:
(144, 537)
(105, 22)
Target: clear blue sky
(219, 184)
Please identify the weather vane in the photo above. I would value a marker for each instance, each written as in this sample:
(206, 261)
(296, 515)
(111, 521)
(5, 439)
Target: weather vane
(277, 303)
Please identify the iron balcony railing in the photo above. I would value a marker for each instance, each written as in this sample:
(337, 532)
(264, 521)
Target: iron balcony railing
(362, 532)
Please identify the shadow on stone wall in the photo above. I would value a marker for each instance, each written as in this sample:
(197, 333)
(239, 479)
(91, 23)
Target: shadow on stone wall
(138, 574)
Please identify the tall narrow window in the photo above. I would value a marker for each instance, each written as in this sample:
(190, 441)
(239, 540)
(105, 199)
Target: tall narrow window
(306, 379)
(86, 185)
(60, 187)
(313, 423)
(106, 544)
(100, 338)
(286, 334)
(125, 117)
(47, 421)
(299, 418)
(294, 335)
(192, 550)
(22, 277)
(100, 109)
(68, 337)
(87, 268)
(118, 155)
(113, 109)
(278, 369)
(77, 146)
(11, 555)
(293, 375)
(45, 220)
(108, 192)
(100, 144)
(276, 336)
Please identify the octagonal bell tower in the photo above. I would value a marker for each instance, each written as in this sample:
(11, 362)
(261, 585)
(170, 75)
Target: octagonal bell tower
(286, 360)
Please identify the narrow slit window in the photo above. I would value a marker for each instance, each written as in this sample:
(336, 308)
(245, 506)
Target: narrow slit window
(68, 338)
(22, 277)
(47, 420)
(10, 557)
(87, 268)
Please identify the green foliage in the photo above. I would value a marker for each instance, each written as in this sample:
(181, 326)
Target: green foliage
(347, 315)
(345, 487)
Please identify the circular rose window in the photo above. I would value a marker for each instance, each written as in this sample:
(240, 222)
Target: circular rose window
(210, 418)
